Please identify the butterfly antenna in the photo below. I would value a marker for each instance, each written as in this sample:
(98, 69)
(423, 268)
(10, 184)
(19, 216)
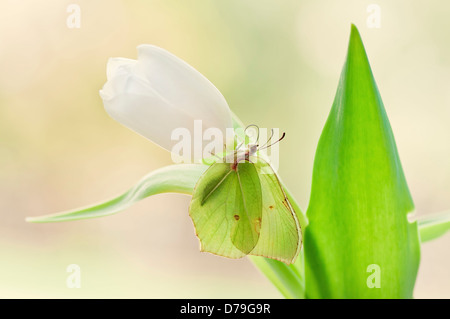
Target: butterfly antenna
(282, 136)
(239, 145)
(257, 130)
(270, 138)
(216, 156)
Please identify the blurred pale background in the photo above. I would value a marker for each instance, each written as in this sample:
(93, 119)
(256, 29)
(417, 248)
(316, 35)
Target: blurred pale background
(276, 62)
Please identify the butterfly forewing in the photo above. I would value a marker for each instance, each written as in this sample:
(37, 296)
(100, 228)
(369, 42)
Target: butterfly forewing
(224, 206)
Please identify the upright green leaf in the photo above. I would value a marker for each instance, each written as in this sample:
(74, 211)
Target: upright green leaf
(358, 237)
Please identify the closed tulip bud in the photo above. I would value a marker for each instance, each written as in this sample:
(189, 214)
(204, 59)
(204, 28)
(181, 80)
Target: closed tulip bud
(159, 93)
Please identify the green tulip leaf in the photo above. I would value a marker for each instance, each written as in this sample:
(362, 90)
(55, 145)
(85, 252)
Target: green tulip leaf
(359, 243)
(171, 179)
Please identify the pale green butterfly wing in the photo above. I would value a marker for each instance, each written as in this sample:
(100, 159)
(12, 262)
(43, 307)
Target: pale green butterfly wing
(246, 211)
(208, 211)
(226, 209)
(245, 208)
(280, 235)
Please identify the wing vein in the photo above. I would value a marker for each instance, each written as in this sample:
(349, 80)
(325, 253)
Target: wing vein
(215, 187)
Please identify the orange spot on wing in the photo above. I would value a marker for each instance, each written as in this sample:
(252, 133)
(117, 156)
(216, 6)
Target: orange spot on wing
(257, 224)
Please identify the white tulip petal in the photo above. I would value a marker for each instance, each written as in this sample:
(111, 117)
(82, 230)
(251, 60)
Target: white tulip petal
(139, 107)
(115, 63)
(184, 86)
(159, 93)
(118, 71)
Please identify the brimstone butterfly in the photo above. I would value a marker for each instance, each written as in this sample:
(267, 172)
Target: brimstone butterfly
(240, 209)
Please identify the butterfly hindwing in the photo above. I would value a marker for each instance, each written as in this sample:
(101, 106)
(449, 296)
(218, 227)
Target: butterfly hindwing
(280, 236)
(246, 208)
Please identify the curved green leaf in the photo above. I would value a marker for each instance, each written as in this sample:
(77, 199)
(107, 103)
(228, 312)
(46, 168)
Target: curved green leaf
(358, 237)
(171, 179)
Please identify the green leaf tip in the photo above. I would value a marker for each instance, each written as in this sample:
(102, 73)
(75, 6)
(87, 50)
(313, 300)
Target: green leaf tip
(359, 197)
(354, 32)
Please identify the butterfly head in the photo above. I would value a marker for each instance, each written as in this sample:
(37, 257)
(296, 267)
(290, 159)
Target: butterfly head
(252, 149)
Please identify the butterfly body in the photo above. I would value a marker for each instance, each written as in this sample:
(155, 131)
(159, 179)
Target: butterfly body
(241, 155)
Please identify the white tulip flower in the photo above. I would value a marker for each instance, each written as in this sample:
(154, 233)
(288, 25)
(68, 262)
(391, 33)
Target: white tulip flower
(159, 93)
